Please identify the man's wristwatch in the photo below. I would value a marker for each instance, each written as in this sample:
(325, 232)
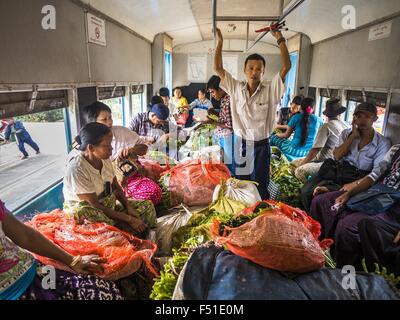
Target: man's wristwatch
(280, 40)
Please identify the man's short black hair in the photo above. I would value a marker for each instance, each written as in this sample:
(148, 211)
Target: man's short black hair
(254, 56)
(155, 100)
(164, 92)
(92, 111)
(213, 83)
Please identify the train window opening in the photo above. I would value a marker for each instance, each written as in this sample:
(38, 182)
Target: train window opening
(27, 170)
(137, 103)
(377, 98)
(117, 106)
(168, 70)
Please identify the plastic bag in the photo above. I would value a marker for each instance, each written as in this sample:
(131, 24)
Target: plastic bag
(194, 181)
(143, 188)
(124, 253)
(152, 169)
(167, 225)
(240, 190)
(182, 118)
(277, 239)
(209, 154)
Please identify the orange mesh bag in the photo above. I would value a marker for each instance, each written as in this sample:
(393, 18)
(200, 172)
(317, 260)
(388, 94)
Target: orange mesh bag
(124, 253)
(280, 238)
(194, 181)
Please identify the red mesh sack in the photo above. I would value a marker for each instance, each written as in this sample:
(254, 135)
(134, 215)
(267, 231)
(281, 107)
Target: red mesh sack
(124, 253)
(194, 181)
(283, 238)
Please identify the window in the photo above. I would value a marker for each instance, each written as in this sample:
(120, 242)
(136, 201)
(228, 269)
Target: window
(23, 179)
(137, 103)
(379, 99)
(168, 70)
(117, 106)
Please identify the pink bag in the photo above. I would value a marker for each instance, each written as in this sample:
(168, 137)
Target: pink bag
(142, 188)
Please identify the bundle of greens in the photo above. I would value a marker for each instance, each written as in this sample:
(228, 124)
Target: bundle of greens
(199, 224)
(164, 286)
(213, 117)
(384, 273)
(282, 175)
(187, 238)
(160, 157)
(203, 137)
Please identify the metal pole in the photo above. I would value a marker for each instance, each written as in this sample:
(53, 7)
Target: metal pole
(214, 16)
(247, 37)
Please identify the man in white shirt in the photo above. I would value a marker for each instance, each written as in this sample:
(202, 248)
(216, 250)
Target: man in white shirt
(253, 107)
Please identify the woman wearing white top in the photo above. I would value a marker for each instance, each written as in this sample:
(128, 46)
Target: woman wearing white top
(90, 187)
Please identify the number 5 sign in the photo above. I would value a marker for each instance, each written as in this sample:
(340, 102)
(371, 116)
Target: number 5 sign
(96, 29)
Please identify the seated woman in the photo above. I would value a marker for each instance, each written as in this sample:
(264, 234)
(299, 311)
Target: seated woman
(200, 103)
(126, 144)
(285, 114)
(305, 126)
(344, 225)
(20, 276)
(91, 189)
(326, 141)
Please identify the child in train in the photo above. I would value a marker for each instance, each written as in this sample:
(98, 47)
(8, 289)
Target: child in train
(361, 149)
(304, 127)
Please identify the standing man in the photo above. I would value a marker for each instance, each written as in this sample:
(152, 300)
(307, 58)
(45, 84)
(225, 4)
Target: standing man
(253, 107)
(17, 128)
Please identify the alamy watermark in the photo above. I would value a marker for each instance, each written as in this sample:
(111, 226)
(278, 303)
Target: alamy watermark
(49, 19)
(349, 18)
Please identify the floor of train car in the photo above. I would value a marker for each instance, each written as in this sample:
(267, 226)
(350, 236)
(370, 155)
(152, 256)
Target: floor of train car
(21, 180)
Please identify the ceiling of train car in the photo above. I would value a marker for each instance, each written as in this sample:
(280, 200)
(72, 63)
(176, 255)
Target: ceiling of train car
(188, 21)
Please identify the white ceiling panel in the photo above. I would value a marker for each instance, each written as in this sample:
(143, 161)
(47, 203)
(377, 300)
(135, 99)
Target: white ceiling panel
(191, 20)
(322, 19)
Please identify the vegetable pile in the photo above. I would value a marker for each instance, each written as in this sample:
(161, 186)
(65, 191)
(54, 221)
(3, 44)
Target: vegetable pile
(282, 175)
(187, 238)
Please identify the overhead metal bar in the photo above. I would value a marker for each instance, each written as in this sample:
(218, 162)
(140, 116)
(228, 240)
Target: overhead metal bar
(247, 34)
(284, 15)
(247, 18)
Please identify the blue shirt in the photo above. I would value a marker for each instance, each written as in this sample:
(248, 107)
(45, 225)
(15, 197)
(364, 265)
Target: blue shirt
(295, 123)
(205, 105)
(20, 131)
(369, 157)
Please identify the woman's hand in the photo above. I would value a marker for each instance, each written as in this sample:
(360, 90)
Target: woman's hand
(89, 265)
(320, 190)
(137, 224)
(132, 211)
(348, 187)
(342, 199)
